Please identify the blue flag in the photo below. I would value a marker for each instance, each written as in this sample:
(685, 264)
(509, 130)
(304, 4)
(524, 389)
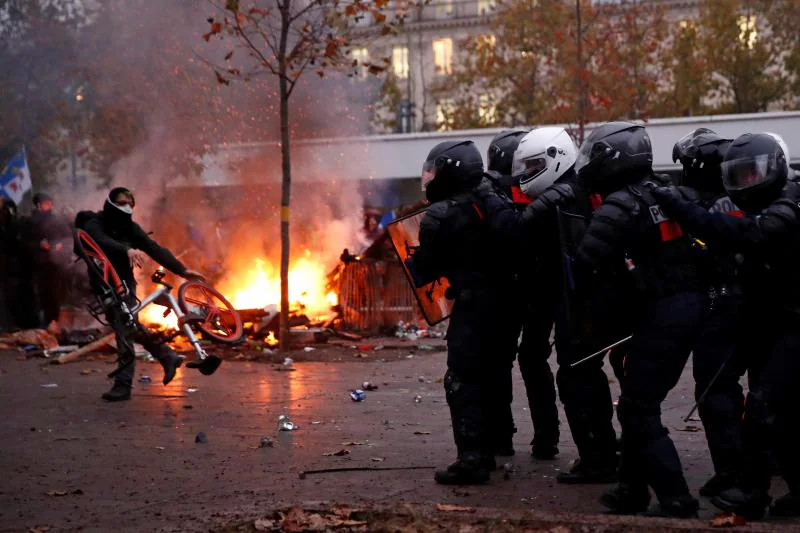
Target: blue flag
(15, 180)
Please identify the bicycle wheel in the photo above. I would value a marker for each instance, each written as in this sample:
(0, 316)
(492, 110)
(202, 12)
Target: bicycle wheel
(101, 271)
(220, 321)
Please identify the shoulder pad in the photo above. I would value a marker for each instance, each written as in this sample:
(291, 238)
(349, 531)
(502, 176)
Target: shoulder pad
(437, 210)
(622, 199)
(557, 193)
(785, 208)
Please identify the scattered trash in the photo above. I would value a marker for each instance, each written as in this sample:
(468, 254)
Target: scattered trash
(50, 385)
(421, 379)
(268, 351)
(285, 424)
(309, 349)
(369, 386)
(340, 453)
(378, 348)
(691, 429)
(377, 459)
(417, 399)
(57, 493)
(60, 349)
(449, 508)
(192, 389)
(425, 348)
(355, 443)
(288, 362)
(316, 422)
(161, 448)
(508, 469)
(201, 438)
(86, 372)
(728, 520)
(266, 442)
(358, 395)
(38, 338)
(410, 356)
(146, 379)
(422, 433)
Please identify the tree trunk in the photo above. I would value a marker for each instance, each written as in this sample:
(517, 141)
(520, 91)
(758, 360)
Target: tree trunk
(580, 74)
(286, 182)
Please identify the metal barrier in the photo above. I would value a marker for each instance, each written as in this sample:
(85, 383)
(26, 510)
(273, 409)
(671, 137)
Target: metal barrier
(375, 295)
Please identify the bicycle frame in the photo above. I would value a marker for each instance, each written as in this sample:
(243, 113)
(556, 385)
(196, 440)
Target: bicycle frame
(165, 291)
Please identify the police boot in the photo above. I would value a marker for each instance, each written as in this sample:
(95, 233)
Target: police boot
(504, 447)
(787, 505)
(170, 362)
(588, 472)
(118, 393)
(469, 469)
(717, 484)
(626, 499)
(543, 452)
(748, 504)
(680, 507)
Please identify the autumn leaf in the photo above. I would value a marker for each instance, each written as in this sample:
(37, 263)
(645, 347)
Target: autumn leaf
(331, 49)
(379, 17)
(321, 73)
(374, 70)
(350, 11)
(221, 79)
(448, 508)
(232, 5)
(229, 55)
(216, 27)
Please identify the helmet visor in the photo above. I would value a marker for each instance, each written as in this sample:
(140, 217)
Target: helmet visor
(590, 152)
(746, 172)
(685, 148)
(530, 168)
(429, 169)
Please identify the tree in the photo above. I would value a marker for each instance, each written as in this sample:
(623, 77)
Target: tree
(783, 18)
(285, 39)
(688, 79)
(746, 54)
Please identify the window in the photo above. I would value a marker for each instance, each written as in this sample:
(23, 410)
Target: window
(487, 110)
(747, 30)
(400, 61)
(444, 9)
(486, 7)
(444, 110)
(443, 55)
(360, 57)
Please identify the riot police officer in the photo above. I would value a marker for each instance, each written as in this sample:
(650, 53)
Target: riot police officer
(544, 162)
(629, 228)
(533, 320)
(456, 243)
(718, 365)
(767, 241)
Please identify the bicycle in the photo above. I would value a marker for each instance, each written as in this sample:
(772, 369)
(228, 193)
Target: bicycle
(198, 306)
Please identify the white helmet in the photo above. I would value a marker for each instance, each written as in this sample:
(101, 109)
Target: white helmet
(542, 157)
(785, 148)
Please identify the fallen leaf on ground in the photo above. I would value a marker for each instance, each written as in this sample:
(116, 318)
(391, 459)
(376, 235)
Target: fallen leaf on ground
(449, 508)
(355, 443)
(265, 524)
(728, 520)
(56, 493)
(337, 454)
(422, 433)
(160, 448)
(86, 371)
(378, 459)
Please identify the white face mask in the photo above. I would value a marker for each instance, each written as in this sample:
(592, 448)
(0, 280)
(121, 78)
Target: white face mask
(127, 209)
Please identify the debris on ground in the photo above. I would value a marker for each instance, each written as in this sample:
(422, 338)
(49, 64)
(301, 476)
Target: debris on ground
(296, 519)
(358, 395)
(728, 520)
(145, 379)
(201, 438)
(368, 386)
(340, 453)
(449, 508)
(266, 442)
(285, 424)
(39, 338)
(691, 429)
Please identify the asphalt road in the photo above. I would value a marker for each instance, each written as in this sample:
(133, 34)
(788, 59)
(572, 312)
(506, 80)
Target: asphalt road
(70, 461)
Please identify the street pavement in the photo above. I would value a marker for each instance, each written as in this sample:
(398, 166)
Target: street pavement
(70, 461)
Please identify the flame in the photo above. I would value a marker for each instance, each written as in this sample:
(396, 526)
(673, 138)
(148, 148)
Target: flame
(153, 315)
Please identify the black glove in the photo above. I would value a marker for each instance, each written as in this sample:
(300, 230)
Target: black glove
(662, 193)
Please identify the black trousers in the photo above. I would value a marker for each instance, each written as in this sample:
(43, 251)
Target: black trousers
(50, 288)
(771, 418)
(716, 354)
(661, 344)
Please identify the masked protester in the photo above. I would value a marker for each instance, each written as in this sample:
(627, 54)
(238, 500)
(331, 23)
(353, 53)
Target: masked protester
(456, 243)
(628, 227)
(47, 237)
(767, 243)
(531, 321)
(544, 164)
(16, 287)
(718, 364)
(126, 245)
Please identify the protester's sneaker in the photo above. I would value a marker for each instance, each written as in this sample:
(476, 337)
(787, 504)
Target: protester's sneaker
(544, 452)
(171, 364)
(718, 483)
(750, 505)
(683, 506)
(787, 505)
(585, 472)
(625, 499)
(467, 470)
(118, 393)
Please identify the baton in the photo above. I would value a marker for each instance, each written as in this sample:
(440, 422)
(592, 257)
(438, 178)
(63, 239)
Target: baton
(708, 388)
(602, 352)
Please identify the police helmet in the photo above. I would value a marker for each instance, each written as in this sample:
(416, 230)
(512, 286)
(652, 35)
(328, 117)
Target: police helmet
(701, 152)
(614, 155)
(500, 155)
(754, 170)
(451, 167)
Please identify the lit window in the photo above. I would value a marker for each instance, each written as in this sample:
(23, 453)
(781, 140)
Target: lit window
(486, 7)
(400, 61)
(444, 110)
(747, 30)
(443, 55)
(444, 8)
(487, 111)
(360, 58)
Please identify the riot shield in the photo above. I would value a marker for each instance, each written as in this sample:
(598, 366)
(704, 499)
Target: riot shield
(404, 233)
(598, 307)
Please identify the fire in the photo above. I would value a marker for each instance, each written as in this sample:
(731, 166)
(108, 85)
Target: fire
(260, 285)
(154, 315)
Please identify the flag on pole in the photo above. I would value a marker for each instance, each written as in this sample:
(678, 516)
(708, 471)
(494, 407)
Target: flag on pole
(15, 180)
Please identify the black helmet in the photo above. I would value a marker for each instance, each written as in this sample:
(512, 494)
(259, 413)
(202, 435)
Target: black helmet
(451, 167)
(701, 152)
(754, 171)
(501, 150)
(614, 155)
